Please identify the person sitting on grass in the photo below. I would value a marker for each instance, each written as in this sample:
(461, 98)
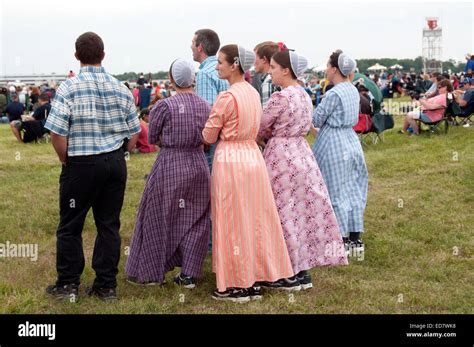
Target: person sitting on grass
(3, 105)
(14, 112)
(143, 146)
(32, 128)
(429, 111)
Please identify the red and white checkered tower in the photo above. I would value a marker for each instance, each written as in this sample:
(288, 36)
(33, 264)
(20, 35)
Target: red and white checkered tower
(432, 46)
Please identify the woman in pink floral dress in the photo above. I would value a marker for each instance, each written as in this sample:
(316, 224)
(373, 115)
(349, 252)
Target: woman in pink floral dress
(309, 224)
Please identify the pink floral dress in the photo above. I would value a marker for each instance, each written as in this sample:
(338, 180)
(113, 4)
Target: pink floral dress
(309, 224)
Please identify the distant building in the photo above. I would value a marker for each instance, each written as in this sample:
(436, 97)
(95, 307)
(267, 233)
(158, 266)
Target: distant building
(33, 79)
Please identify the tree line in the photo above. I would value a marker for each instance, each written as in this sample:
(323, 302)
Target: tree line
(415, 65)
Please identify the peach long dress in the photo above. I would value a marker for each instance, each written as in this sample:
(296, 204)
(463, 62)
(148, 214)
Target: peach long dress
(247, 238)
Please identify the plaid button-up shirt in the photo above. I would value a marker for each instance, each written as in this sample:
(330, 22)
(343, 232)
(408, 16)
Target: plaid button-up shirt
(95, 111)
(208, 83)
(266, 89)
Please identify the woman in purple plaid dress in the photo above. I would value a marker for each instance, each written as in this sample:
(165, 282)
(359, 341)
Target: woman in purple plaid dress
(173, 220)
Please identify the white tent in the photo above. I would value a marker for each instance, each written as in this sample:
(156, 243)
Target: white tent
(320, 68)
(377, 67)
(396, 67)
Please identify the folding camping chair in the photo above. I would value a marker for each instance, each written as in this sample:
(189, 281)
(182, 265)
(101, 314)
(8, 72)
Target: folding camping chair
(465, 120)
(456, 116)
(443, 123)
(381, 121)
(365, 134)
(460, 119)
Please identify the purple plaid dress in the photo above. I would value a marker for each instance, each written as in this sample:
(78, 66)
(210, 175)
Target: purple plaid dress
(173, 220)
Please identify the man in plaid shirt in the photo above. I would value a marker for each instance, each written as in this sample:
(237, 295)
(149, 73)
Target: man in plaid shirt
(205, 44)
(91, 117)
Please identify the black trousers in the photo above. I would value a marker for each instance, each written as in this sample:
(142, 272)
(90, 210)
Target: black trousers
(86, 182)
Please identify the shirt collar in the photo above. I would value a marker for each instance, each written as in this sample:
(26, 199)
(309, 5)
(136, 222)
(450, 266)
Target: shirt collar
(265, 76)
(207, 61)
(93, 69)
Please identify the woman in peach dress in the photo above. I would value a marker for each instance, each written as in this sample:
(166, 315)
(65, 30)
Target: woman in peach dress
(248, 244)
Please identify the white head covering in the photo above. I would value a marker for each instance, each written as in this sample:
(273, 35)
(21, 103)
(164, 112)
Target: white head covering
(183, 73)
(246, 58)
(299, 64)
(346, 64)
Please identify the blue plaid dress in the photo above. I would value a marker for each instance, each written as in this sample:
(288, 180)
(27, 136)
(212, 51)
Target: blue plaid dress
(340, 157)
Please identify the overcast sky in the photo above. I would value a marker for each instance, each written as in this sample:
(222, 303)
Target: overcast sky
(140, 35)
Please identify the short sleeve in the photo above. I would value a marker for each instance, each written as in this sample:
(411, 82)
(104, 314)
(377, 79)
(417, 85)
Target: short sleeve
(132, 117)
(38, 113)
(158, 116)
(223, 107)
(205, 87)
(58, 119)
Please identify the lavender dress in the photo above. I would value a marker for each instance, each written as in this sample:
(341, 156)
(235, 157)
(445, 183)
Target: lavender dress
(173, 220)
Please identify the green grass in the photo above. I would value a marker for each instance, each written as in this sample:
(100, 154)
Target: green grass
(409, 250)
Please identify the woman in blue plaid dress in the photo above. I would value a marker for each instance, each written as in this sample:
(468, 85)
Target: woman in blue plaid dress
(338, 150)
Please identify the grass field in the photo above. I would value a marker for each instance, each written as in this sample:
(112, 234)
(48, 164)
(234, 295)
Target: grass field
(419, 237)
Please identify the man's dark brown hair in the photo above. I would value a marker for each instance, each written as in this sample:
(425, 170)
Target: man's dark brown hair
(209, 40)
(90, 48)
(44, 97)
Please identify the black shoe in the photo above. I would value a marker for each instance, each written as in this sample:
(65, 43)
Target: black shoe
(305, 280)
(134, 280)
(104, 294)
(347, 245)
(67, 292)
(356, 248)
(239, 295)
(187, 282)
(289, 284)
(358, 245)
(255, 292)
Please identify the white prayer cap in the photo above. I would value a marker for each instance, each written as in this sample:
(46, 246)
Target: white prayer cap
(299, 64)
(346, 64)
(246, 58)
(183, 73)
